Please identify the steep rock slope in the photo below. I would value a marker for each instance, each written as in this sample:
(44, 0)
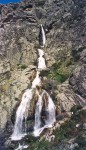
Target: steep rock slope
(65, 25)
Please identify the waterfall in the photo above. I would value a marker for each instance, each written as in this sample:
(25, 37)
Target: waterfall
(50, 109)
(21, 114)
(21, 147)
(42, 37)
(41, 53)
(37, 127)
(38, 110)
(22, 111)
(41, 60)
(36, 81)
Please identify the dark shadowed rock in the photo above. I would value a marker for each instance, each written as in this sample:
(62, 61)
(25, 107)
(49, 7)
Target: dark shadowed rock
(78, 81)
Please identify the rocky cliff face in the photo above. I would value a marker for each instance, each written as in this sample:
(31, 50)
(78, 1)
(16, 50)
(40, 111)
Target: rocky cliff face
(65, 26)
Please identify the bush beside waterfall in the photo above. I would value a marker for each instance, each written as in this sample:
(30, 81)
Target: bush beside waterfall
(67, 131)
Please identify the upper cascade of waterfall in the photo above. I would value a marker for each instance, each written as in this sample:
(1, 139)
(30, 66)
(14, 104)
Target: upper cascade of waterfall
(36, 81)
(42, 37)
(21, 114)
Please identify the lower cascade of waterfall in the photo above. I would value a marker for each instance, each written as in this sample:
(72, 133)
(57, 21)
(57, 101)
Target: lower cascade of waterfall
(21, 114)
(38, 113)
(21, 147)
(50, 110)
(44, 101)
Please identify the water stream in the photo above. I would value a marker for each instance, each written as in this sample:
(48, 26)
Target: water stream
(42, 37)
(21, 114)
(20, 126)
(50, 111)
(21, 147)
(41, 60)
(36, 81)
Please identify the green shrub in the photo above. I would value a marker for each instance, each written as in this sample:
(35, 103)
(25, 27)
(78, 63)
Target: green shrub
(57, 76)
(75, 108)
(23, 66)
(40, 145)
(60, 71)
(81, 141)
(65, 130)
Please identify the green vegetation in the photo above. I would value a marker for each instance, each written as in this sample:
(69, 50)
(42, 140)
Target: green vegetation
(23, 66)
(62, 69)
(40, 145)
(75, 108)
(67, 131)
(60, 73)
(35, 144)
(57, 76)
(44, 73)
(81, 140)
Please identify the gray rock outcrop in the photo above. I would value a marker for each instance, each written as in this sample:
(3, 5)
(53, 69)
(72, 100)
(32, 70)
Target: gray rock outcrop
(65, 26)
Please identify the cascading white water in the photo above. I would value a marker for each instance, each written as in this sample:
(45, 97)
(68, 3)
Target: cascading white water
(41, 53)
(22, 111)
(41, 60)
(21, 147)
(50, 109)
(43, 37)
(36, 81)
(38, 110)
(43, 34)
(21, 114)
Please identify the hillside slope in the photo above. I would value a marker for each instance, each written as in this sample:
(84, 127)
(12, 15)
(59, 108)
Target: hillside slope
(64, 22)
